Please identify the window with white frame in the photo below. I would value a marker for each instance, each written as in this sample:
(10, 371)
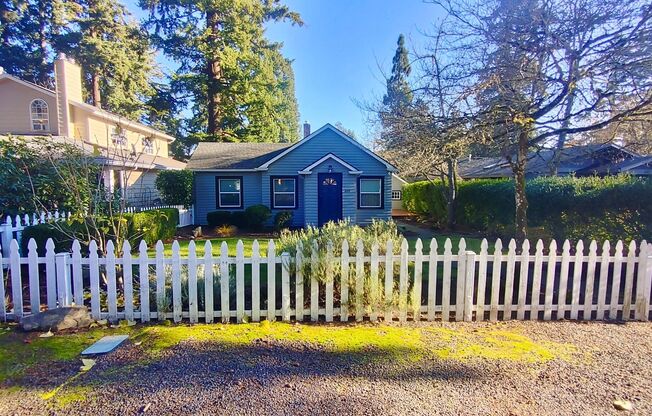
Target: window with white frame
(284, 193)
(229, 192)
(148, 145)
(370, 193)
(40, 115)
(397, 195)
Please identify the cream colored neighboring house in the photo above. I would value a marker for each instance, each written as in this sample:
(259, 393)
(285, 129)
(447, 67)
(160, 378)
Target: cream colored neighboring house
(397, 192)
(131, 153)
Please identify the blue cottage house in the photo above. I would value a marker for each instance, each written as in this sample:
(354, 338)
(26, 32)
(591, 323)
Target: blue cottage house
(325, 176)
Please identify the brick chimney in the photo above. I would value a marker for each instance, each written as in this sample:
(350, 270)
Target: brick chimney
(306, 129)
(68, 81)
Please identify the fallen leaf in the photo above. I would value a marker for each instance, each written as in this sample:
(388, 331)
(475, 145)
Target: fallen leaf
(87, 364)
(624, 405)
(46, 335)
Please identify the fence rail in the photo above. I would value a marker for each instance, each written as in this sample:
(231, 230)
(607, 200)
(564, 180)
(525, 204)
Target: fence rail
(377, 283)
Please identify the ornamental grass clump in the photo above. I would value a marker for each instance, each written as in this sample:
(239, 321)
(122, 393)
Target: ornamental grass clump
(324, 265)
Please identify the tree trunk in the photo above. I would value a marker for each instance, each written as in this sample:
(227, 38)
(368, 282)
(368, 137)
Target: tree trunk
(561, 140)
(451, 200)
(518, 168)
(96, 95)
(214, 77)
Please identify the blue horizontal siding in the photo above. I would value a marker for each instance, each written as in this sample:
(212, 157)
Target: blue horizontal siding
(257, 185)
(205, 192)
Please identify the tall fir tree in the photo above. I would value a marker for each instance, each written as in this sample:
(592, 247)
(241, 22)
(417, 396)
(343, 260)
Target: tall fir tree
(399, 94)
(114, 53)
(231, 77)
(27, 28)
(112, 49)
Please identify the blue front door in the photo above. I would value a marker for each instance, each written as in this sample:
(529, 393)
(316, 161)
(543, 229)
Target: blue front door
(329, 197)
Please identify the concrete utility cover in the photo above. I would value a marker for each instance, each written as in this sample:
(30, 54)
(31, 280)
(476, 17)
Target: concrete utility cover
(104, 345)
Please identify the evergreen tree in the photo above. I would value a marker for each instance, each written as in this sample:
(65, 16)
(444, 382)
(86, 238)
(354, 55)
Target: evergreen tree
(233, 79)
(399, 94)
(27, 28)
(114, 53)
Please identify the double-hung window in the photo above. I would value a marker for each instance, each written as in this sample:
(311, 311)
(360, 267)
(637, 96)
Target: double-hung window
(284, 193)
(229, 192)
(370, 192)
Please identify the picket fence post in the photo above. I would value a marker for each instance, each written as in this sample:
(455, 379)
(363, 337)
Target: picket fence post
(143, 271)
(285, 287)
(271, 281)
(6, 230)
(209, 307)
(255, 281)
(299, 282)
(469, 286)
(329, 281)
(3, 307)
(643, 283)
(16, 279)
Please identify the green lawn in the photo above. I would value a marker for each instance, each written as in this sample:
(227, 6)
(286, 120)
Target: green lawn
(472, 244)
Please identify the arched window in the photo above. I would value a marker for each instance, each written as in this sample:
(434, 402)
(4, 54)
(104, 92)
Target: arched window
(40, 115)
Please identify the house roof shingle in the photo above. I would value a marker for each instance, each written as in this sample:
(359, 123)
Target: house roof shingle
(586, 159)
(209, 156)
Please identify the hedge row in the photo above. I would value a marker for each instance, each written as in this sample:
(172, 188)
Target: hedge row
(151, 226)
(614, 207)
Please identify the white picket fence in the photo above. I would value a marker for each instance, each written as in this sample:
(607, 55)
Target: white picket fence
(13, 227)
(433, 285)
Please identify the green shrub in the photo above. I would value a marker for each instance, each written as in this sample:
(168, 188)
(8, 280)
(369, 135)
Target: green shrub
(256, 216)
(151, 226)
(253, 218)
(217, 218)
(60, 235)
(282, 220)
(613, 207)
(175, 186)
(239, 219)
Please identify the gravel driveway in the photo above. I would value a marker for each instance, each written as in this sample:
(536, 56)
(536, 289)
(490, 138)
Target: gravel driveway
(606, 362)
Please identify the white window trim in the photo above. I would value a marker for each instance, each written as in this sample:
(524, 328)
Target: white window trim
(293, 193)
(41, 120)
(220, 192)
(379, 193)
(399, 195)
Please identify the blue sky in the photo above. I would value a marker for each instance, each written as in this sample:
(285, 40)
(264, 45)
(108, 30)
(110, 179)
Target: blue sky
(337, 53)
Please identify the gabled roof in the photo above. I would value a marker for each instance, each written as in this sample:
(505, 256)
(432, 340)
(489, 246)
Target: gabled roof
(582, 160)
(28, 84)
(233, 156)
(308, 169)
(329, 126)
(244, 157)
